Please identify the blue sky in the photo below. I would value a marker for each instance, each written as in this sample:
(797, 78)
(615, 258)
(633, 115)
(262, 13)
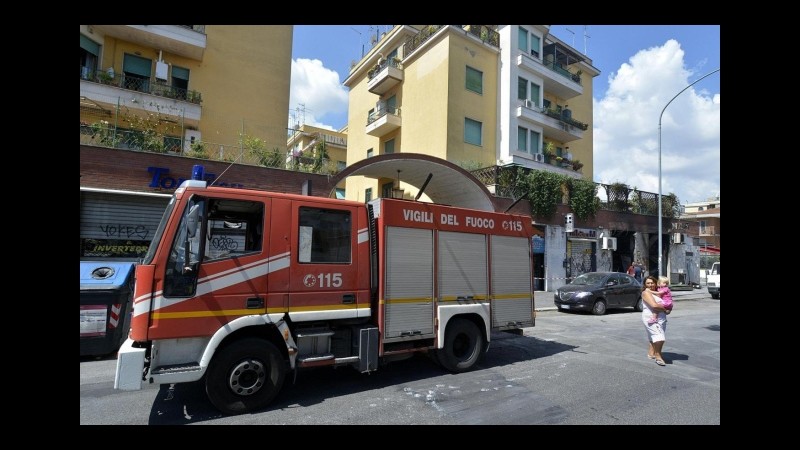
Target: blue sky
(641, 68)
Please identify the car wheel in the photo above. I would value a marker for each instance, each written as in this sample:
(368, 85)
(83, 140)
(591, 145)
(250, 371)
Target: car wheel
(463, 346)
(638, 307)
(715, 296)
(599, 308)
(245, 376)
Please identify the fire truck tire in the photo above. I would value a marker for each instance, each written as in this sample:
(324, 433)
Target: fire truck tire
(245, 376)
(463, 346)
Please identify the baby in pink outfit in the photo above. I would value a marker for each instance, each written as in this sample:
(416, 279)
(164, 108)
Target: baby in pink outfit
(663, 296)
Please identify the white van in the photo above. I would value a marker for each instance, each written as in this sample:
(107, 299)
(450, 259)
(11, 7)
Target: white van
(713, 281)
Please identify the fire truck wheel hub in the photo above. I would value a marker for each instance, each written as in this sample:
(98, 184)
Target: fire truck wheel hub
(247, 377)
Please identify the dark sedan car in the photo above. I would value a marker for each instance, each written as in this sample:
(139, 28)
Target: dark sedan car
(598, 291)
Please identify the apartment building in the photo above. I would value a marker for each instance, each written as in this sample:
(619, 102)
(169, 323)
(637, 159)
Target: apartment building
(321, 149)
(475, 95)
(174, 90)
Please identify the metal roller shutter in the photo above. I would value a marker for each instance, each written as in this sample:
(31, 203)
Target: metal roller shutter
(582, 257)
(408, 292)
(462, 266)
(512, 298)
(118, 226)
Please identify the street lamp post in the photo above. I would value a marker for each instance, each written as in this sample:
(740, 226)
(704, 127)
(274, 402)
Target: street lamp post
(661, 271)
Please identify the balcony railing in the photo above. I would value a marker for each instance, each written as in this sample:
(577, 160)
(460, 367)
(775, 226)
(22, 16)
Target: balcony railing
(140, 84)
(482, 32)
(394, 62)
(564, 116)
(708, 231)
(562, 71)
(375, 115)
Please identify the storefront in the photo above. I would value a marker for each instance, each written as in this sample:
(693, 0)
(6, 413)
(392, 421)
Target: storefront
(118, 225)
(581, 252)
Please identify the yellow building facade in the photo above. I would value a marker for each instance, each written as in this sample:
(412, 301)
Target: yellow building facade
(455, 92)
(190, 84)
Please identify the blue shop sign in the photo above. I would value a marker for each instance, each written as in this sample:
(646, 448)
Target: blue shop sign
(538, 244)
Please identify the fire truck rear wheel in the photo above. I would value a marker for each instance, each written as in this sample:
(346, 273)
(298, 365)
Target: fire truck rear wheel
(245, 376)
(463, 345)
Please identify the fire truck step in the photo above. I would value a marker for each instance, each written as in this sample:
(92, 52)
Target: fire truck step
(175, 368)
(314, 358)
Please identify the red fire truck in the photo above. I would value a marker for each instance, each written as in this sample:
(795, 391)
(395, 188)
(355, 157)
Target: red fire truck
(242, 286)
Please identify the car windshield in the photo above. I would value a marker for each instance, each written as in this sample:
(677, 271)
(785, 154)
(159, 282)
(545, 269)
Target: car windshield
(588, 279)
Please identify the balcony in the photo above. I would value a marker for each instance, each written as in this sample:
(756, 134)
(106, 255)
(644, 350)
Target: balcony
(384, 76)
(556, 124)
(184, 40)
(708, 231)
(384, 121)
(557, 80)
(107, 90)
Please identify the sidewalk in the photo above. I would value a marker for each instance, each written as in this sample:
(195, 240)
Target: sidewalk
(544, 300)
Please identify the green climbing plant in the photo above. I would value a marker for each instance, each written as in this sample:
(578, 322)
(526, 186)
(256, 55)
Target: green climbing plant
(544, 191)
(583, 198)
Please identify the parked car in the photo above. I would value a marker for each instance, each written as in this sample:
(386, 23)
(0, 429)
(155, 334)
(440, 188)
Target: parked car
(598, 291)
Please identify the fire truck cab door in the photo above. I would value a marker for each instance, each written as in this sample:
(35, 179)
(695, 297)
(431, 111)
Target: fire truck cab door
(324, 277)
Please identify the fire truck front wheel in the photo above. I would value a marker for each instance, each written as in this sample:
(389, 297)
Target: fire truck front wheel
(463, 345)
(245, 376)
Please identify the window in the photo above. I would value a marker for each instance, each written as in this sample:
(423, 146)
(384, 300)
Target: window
(386, 189)
(527, 140)
(522, 39)
(535, 45)
(391, 105)
(522, 88)
(522, 139)
(472, 131)
(340, 194)
(535, 90)
(341, 165)
(474, 80)
(137, 73)
(234, 228)
(535, 138)
(225, 229)
(388, 147)
(369, 153)
(180, 81)
(90, 51)
(324, 236)
(368, 195)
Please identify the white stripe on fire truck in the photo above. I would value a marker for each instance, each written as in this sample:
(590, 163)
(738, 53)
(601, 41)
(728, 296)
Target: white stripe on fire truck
(217, 282)
(363, 236)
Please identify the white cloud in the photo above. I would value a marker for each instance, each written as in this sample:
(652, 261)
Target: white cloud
(626, 127)
(319, 89)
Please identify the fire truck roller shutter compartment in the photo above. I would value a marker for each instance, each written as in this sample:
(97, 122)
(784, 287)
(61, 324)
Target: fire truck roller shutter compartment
(409, 283)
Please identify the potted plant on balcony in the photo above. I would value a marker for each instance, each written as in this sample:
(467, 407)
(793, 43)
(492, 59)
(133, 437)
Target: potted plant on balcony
(547, 151)
(577, 165)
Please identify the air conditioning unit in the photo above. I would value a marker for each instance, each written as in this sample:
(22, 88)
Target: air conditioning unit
(528, 103)
(678, 238)
(609, 243)
(538, 157)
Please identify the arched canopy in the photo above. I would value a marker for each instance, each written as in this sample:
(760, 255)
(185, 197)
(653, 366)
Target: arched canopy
(450, 184)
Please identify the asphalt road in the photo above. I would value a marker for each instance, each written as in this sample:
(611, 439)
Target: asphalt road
(571, 368)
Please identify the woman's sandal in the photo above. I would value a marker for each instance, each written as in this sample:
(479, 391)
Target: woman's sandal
(660, 362)
(651, 356)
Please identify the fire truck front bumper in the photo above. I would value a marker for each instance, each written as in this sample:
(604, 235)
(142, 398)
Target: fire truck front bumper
(130, 367)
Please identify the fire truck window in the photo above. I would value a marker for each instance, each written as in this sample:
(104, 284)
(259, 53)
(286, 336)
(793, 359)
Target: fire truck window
(181, 273)
(234, 228)
(324, 236)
